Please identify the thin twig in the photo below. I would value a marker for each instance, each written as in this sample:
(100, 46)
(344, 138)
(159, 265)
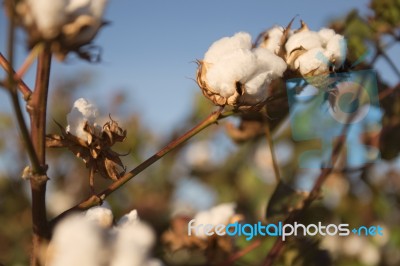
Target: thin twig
(388, 91)
(6, 65)
(36, 50)
(14, 96)
(255, 244)
(97, 199)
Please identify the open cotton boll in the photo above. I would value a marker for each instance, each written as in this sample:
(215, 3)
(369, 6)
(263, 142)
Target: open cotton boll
(336, 46)
(326, 34)
(76, 241)
(97, 8)
(305, 39)
(130, 218)
(314, 60)
(219, 214)
(133, 244)
(273, 40)
(78, 5)
(100, 215)
(253, 69)
(269, 67)
(222, 213)
(234, 73)
(269, 62)
(237, 66)
(49, 16)
(227, 45)
(82, 111)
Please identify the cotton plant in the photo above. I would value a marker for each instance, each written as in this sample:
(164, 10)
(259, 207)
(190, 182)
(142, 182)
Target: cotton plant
(91, 238)
(65, 24)
(91, 142)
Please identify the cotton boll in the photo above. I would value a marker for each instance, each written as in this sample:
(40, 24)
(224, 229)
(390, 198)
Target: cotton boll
(102, 216)
(325, 35)
(202, 218)
(131, 218)
(256, 87)
(133, 244)
(49, 16)
(336, 46)
(77, 241)
(274, 39)
(223, 75)
(97, 8)
(227, 45)
(234, 73)
(77, 7)
(222, 213)
(82, 112)
(306, 39)
(312, 61)
(269, 67)
(217, 215)
(353, 245)
(267, 61)
(370, 256)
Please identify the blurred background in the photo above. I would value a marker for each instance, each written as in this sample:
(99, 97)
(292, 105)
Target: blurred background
(146, 81)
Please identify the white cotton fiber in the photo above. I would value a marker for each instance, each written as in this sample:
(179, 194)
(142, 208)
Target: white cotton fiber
(77, 241)
(274, 39)
(305, 39)
(227, 45)
(313, 60)
(83, 111)
(49, 16)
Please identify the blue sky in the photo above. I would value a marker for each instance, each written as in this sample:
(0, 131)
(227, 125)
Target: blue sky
(150, 47)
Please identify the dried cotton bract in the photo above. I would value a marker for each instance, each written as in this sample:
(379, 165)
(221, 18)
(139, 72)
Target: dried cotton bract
(65, 24)
(233, 73)
(90, 142)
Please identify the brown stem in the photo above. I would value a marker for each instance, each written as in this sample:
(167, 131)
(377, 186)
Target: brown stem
(97, 199)
(37, 107)
(387, 92)
(255, 244)
(26, 92)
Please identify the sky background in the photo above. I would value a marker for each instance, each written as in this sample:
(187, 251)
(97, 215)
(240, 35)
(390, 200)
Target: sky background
(150, 48)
